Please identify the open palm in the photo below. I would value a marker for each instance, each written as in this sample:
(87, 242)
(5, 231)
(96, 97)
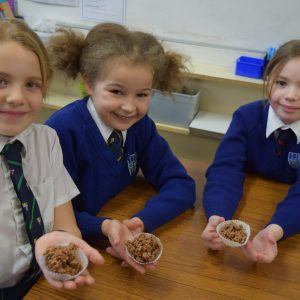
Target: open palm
(263, 247)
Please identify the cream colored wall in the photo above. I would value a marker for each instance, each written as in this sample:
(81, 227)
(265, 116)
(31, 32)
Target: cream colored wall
(44, 115)
(225, 97)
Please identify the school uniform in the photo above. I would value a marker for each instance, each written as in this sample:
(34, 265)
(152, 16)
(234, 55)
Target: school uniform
(51, 185)
(99, 176)
(250, 146)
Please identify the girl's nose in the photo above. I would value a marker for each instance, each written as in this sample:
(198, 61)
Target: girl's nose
(15, 97)
(293, 94)
(129, 104)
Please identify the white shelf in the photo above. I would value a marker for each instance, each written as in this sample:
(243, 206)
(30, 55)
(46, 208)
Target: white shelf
(210, 124)
(221, 73)
(210, 63)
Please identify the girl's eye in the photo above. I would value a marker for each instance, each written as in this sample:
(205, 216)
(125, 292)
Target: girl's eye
(280, 82)
(3, 82)
(33, 85)
(116, 92)
(143, 95)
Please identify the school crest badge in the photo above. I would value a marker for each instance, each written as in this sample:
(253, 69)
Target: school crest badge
(294, 160)
(132, 164)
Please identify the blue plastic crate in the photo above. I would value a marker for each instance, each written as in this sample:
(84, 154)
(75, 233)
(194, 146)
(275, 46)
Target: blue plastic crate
(250, 67)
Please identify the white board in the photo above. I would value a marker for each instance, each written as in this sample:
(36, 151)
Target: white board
(230, 24)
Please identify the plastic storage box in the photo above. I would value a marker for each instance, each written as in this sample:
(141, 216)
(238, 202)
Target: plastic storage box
(250, 67)
(174, 109)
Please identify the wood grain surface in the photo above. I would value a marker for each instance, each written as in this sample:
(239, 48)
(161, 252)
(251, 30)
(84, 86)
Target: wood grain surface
(187, 270)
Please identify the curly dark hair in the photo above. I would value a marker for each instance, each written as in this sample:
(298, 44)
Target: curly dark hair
(73, 53)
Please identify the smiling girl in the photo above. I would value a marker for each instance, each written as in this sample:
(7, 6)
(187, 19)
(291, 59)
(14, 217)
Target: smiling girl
(107, 136)
(35, 188)
(263, 138)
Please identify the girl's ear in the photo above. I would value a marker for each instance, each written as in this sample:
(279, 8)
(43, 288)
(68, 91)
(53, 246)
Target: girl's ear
(87, 85)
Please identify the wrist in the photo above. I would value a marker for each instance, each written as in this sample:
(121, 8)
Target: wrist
(104, 226)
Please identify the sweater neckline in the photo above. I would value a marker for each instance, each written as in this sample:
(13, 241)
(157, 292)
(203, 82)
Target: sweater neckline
(98, 140)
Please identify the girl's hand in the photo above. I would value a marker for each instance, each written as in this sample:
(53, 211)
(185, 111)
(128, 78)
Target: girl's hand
(58, 237)
(209, 235)
(135, 225)
(117, 234)
(263, 247)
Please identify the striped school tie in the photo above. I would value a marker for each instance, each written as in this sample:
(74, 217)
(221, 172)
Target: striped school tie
(283, 137)
(115, 143)
(31, 212)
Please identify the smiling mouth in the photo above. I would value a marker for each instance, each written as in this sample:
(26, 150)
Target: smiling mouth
(289, 108)
(12, 115)
(123, 117)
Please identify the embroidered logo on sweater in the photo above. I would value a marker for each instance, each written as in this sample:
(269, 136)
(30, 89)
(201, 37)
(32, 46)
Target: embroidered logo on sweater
(294, 160)
(132, 164)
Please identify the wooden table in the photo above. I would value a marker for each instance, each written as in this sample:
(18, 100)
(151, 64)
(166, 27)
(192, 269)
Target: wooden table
(187, 270)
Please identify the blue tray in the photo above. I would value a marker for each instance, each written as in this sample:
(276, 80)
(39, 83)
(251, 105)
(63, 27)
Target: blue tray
(250, 67)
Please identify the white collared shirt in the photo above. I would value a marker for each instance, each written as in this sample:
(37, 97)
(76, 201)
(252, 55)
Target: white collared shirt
(104, 129)
(274, 122)
(43, 168)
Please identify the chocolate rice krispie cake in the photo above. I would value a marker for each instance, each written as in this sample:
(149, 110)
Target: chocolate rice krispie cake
(234, 232)
(144, 248)
(63, 259)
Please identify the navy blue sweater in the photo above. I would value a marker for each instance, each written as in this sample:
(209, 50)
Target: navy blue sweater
(99, 176)
(245, 148)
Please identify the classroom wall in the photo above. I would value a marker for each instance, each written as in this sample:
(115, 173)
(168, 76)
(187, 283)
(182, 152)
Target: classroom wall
(209, 30)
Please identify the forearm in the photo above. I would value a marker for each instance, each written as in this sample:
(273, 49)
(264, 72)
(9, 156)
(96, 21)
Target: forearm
(225, 177)
(222, 195)
(64, 219)
(288, 212)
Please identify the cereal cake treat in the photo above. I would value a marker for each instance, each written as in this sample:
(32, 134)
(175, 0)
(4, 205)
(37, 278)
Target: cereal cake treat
(234, 233)
(63, 262)
(145, 248)
(63, 259)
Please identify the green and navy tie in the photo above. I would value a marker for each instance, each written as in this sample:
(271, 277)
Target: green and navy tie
(31, 212)
(115, 143)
